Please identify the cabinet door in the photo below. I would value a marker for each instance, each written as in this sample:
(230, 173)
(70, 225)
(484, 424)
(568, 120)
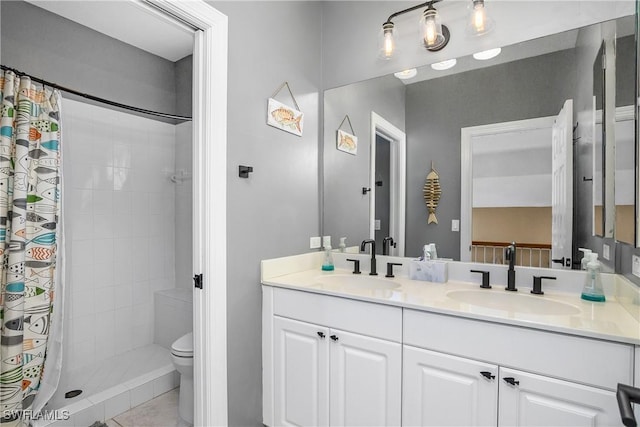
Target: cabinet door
(301, 373)
(443, 390)
(365, 381)
(535, 400)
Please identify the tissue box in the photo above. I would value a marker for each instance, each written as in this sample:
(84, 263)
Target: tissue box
(430, 271)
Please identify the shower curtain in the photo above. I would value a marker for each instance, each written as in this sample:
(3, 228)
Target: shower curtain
(29, 226)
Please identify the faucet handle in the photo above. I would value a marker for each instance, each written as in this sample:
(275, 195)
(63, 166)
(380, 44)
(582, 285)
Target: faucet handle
(390, 268)
(485, 278)
(356, 265)
(537, 284)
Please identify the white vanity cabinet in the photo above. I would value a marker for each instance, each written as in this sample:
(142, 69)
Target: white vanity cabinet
(333, 361)
(365, 381)
(443, 390)
(301, 373)
(535, 400)
(541, 378)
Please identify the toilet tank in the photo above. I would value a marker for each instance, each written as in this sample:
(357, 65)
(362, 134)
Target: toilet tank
(173, 315)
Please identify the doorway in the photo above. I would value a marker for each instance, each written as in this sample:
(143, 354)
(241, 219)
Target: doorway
(387, 215)
(208, 29)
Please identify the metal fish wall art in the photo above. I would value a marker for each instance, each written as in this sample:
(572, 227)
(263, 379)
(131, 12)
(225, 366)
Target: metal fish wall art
(432, 192)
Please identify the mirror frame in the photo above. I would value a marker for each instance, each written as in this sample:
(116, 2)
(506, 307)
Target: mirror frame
(599, 118)
(637, 126)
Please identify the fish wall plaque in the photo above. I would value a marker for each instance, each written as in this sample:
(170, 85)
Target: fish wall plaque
(432, 192)
(347, 142)
(282, 116)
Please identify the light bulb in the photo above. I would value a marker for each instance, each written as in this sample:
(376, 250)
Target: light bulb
(430, 31)
(478, 17)
(387, 43)
(479, 23)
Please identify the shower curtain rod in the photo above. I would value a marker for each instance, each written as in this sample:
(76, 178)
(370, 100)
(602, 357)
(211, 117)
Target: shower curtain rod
(95, 98)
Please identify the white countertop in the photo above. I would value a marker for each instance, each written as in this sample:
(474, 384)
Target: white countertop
(607, 321)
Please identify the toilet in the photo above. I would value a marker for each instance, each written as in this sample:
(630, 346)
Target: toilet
(182, 357)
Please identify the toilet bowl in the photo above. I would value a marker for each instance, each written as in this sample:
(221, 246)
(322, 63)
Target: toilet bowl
(182, 357)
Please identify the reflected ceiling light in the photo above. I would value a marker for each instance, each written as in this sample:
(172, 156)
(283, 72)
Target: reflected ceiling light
(406, 74)
(479, 22)
(444, 65)
(487, 54)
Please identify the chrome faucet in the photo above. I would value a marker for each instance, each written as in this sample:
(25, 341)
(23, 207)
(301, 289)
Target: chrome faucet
(373, 254)
(510, 255)
(387, 243)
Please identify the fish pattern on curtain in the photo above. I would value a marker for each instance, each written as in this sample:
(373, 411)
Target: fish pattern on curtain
(29, 209)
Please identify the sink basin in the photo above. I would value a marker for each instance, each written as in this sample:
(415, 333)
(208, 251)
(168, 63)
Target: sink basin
(520, 303)
(354, 282)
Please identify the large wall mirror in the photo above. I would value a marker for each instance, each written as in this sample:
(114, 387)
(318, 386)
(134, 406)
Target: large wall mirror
(510, 109)
(624, 135)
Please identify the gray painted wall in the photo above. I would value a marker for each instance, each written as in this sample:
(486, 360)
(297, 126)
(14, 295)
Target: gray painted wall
(437, 109)
(346, 209)
(184, 83)
(48, 46)
(276, 210)
(625, 67)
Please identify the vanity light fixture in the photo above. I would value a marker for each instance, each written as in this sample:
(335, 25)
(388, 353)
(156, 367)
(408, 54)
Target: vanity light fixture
(444, 65)
(406, 74)
(487, 54)
(434, 36)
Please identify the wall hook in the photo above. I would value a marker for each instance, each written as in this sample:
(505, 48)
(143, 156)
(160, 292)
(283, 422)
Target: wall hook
(244, 171)
(365, 190)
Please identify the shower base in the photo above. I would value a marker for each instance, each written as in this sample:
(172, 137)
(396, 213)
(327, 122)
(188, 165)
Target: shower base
(113, 386)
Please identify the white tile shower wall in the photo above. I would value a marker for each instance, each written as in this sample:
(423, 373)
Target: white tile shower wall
(120, 222)
(184, 203)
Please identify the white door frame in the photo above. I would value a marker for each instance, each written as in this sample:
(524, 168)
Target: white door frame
(209, 198)
(398, 180)
(466, 169)
(209, 205)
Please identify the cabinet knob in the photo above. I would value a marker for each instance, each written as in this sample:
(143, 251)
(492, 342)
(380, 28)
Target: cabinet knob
(487, 375)
(511, 380)
(321, 334)
(334, 337)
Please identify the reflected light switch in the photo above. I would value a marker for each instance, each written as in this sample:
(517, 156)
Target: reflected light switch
(376, 224)
(635, 265)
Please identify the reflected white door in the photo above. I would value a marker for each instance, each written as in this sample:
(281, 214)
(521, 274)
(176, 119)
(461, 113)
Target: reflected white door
(562, 187)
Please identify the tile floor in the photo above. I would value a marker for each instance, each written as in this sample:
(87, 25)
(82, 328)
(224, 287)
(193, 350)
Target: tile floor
(159, 412)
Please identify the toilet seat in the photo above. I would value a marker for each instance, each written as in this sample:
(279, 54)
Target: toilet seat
(183, 346)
